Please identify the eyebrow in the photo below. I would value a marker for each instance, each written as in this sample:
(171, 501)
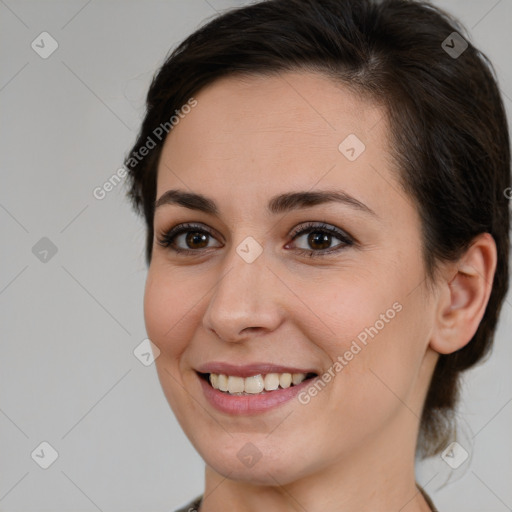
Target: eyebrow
(278, 204)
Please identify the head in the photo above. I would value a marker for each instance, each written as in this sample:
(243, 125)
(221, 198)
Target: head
(352, 97)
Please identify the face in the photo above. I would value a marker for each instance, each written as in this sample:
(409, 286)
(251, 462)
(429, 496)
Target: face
(275, 280)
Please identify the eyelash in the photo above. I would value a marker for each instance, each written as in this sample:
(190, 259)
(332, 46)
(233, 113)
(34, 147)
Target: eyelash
(167, 239)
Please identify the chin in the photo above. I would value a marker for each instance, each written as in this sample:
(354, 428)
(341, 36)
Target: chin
(242, 461)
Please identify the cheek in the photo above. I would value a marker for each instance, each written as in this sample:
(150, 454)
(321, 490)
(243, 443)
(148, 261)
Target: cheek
(357, 305)
(167, 313)
(382, 360)
(166, 310)
(380, 331)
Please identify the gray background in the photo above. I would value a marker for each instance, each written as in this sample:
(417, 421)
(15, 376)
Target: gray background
(68, 327)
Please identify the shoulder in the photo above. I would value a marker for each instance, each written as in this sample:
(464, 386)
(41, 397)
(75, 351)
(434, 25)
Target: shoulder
(428, 499)
(193, 506)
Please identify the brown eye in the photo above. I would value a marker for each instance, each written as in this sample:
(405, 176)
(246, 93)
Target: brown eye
(185, 238)
(195, 237)
(319, 239)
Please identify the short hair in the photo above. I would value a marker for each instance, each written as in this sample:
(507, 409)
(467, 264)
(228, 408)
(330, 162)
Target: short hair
(449, 133)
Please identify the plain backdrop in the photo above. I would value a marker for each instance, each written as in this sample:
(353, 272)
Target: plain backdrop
(72, 272)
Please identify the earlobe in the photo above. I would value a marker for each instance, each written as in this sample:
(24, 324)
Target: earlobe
(464, 295)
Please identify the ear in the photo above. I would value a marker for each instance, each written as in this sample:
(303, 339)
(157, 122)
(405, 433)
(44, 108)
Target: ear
(464, 291)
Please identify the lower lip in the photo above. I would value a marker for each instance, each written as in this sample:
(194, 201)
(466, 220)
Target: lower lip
(250, 404)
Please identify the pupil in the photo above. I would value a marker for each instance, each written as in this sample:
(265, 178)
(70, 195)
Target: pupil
(196, 237)
(317, 237)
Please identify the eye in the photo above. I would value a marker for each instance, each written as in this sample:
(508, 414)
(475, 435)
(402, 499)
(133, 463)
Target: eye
(320, 237)
(193, 236)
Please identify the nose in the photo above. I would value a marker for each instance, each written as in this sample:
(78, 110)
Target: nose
(246, 299)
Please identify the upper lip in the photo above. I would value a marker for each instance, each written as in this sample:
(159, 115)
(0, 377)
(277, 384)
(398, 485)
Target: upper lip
(248, 370)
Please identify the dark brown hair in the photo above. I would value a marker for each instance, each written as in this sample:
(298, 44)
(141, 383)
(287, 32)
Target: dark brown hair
(448, 127)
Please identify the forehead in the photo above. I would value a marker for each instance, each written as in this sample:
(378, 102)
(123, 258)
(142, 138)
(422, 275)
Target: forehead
(291, 131)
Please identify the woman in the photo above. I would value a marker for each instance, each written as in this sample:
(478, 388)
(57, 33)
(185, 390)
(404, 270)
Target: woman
(327, 239)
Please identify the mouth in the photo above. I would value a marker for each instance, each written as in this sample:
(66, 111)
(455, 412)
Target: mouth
(248, 389)
(259, 384)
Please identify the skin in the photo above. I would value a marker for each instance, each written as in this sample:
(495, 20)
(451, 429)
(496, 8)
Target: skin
(352, 446)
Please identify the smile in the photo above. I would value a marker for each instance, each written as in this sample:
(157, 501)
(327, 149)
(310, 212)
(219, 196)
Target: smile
(256, 384)
(252, 389)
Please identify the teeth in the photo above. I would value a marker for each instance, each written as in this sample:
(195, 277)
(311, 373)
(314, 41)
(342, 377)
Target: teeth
(271, 381)
(214, 380)
(256, 383)
(285, 380)
(235, 384)
(297, 378)
(222, 382)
